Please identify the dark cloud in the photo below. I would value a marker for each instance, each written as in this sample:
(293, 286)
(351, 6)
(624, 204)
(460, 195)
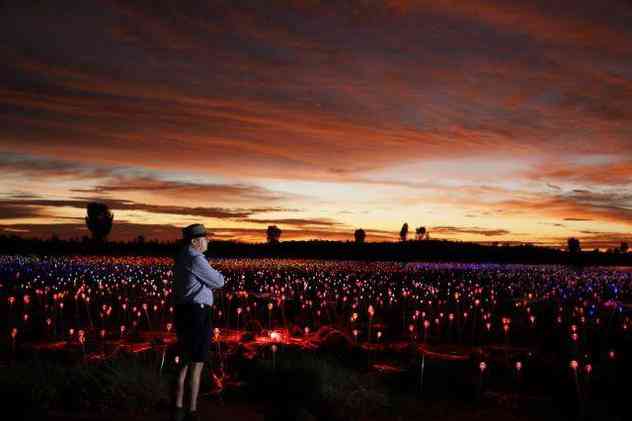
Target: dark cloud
(447, 230)
(121, 231)
(296, 222)
(12, 211)
(608, 106)
(124, 231)
(182, 190)
(259, 235)
(116, 205)
(617, 172)
(20, 195)
(32, 166)
(121, 180)
(611, 205)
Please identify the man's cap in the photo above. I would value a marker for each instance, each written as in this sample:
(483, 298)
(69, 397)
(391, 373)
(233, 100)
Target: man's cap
(194, 231)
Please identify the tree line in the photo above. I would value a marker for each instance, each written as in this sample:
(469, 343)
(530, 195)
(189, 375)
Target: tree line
(99, 220)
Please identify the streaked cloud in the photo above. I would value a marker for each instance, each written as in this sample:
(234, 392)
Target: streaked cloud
(296, 222)
(120, 205)
(469, 230)
(125, 231)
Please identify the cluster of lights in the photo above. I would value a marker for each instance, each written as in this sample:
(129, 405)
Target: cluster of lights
(435, 303)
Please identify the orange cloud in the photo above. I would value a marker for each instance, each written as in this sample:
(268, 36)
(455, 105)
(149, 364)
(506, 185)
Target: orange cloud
(611, 173)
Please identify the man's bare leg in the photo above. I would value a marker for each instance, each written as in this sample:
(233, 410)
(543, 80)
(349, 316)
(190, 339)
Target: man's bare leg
(194, 379)
(180, 386)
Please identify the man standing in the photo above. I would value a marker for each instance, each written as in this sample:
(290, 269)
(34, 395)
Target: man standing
(194, 280)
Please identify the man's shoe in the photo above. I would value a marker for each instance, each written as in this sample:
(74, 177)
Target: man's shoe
(192, 416)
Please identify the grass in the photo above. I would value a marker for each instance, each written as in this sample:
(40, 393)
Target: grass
(324, 385)
(121, 384)
(299, 381)
(321, 385)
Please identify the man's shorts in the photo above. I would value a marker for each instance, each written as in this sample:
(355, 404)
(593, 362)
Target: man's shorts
(193, 330)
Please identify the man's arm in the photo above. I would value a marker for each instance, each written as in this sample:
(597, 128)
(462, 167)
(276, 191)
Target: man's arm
(205, 273)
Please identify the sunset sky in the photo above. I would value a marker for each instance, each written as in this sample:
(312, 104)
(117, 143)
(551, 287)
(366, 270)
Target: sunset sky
(506, 121)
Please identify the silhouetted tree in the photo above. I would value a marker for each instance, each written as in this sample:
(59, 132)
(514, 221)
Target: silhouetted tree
(273, 234)
(99, 220)
(140, 239)
(421, 232)
(403, 233)
(624, 247)
(359, 235)
(574, 246)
